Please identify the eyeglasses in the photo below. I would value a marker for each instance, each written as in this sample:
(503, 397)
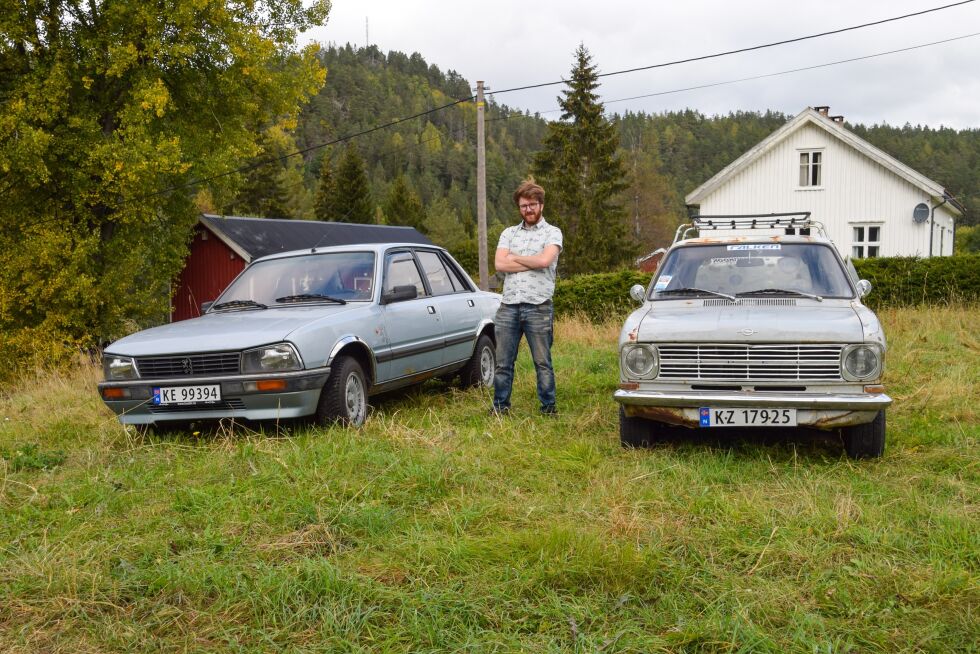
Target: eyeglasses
(529, 205)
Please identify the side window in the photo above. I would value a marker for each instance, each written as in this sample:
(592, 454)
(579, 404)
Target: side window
(459, 279)
(435, 272)
(400, 270)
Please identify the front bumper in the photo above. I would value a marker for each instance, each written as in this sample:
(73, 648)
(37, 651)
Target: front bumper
(239, 398)
(820, 411)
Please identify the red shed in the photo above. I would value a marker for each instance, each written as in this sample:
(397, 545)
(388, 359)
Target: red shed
(224, 245)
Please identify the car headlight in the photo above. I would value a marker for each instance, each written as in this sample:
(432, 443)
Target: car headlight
(117, 368)
(640, 361)
(861, 362)
(271, 358)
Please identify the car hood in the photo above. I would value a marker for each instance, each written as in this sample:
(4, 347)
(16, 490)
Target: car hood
(224, 331)
(675, 322)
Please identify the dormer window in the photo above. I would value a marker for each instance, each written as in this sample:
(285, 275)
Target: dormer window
(811, 168)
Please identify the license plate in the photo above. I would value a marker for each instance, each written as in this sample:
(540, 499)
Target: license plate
(203, 394)
(744, 417)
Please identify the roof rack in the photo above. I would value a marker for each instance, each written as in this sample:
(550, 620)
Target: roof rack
(790, 223)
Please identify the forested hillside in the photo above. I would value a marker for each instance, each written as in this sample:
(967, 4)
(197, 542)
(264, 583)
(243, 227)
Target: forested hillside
(667, 155)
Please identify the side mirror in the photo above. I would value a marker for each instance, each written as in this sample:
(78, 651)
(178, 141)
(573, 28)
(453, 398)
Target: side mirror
(400, 294)
(638, 293)
(205, 306)
(864, 287)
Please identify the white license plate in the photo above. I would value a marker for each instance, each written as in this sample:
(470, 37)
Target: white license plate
(203, 394)
(744, 417)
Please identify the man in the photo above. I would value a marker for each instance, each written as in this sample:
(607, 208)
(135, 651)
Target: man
(527, 254)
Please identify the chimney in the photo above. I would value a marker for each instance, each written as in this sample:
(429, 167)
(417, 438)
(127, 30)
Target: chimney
(823, 111)
(837, 119)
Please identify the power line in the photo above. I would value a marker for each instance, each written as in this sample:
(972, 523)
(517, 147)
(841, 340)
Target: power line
(748, 49)
(263, 162)
(763, 76)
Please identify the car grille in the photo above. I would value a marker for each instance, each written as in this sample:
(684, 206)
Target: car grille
(754, 362)
(232, 404)
(189, 365)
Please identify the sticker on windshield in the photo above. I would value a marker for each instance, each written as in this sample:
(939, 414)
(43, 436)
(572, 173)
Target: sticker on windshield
(663, 282)
(723, 260)
(756, 246)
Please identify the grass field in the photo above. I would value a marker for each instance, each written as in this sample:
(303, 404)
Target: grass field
(437, 528)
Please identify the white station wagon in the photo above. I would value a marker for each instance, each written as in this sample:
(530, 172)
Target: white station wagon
(309, 333)
(753, 321)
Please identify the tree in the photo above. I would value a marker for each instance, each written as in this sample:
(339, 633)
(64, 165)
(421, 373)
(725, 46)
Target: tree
(326, 191)
(403, 206)
(266, 190)
(352, 196)
(583, 176)
(111, 112)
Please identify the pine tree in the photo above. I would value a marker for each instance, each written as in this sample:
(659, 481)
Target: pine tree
(403, 206)
(264, 192)
(584, 177)
(326, 191)
(352, 195)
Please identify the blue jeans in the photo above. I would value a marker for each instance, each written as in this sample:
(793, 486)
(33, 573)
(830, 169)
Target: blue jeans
(535, 322)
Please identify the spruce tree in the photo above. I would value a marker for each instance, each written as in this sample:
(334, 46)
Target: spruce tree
(584, 177)
(352, 195)
(403, 206)
(326, 192)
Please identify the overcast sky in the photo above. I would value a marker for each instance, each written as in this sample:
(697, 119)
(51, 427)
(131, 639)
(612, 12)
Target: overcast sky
(510, 43)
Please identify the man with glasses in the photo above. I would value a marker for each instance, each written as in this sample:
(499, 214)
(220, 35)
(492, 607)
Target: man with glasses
(527, 255)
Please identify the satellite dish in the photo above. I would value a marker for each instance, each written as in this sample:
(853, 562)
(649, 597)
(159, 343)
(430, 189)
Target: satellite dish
(921, 213)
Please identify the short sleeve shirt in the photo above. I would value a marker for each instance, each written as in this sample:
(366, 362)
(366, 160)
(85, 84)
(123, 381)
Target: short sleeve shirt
(531, 286)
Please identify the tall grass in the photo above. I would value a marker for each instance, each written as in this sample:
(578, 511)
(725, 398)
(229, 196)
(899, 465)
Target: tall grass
(437, 528)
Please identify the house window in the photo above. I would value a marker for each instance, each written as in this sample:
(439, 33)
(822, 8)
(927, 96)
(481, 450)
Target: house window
(811, 168)
(866, 241)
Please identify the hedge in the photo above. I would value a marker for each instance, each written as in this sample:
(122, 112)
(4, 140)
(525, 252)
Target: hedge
(907, 281)
(895, 281)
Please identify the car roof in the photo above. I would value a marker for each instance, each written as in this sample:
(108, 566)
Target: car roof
(376, 248)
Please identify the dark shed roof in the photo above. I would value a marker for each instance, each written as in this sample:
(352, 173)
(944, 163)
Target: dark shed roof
(256, 237)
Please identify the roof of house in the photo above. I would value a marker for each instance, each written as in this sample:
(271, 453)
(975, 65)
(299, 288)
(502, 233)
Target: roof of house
(813, 117)
(252, 238)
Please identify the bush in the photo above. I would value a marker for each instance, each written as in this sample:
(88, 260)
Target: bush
(909, 281)
(600, 297)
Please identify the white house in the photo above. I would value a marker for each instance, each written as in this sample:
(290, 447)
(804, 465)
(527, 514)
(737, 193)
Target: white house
(870, 203)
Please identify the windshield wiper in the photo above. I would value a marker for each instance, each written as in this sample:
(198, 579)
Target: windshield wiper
(780, 291)
(239, 304)
(310, 297)
(693, 291)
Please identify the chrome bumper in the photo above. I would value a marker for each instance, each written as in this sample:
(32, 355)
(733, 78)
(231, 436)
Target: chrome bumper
(827, 411)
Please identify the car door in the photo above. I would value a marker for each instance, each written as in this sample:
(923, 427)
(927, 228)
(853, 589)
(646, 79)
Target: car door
(454, 302)
(413, 326)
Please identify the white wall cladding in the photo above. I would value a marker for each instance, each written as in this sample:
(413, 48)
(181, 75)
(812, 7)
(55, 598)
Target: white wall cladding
(855, 189)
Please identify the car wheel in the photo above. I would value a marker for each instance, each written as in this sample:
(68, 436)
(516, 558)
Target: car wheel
(478, 371)
(635, 432)
(344, 397)
(865, 441)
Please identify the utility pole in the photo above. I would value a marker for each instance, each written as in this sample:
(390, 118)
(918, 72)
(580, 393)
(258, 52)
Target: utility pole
(481, 189)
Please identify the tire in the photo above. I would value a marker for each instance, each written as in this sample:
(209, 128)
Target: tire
(634, 432)
(865, 441)
(478, 371)
(343, 399)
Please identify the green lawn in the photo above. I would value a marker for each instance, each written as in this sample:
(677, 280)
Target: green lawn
(437, 528)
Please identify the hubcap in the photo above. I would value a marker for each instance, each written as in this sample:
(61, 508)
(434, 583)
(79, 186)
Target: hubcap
(354, 399)
(486, 366)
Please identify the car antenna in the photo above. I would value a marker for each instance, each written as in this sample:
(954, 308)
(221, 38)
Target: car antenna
(317, 244)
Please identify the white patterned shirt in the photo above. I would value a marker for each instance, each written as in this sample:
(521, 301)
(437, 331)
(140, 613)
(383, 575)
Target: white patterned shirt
(531, 286)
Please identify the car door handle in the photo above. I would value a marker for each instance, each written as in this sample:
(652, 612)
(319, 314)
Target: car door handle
(431, 309)
(469, 303)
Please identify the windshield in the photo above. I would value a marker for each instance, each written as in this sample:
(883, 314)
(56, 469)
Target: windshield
(805, 269)
(311, 278)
